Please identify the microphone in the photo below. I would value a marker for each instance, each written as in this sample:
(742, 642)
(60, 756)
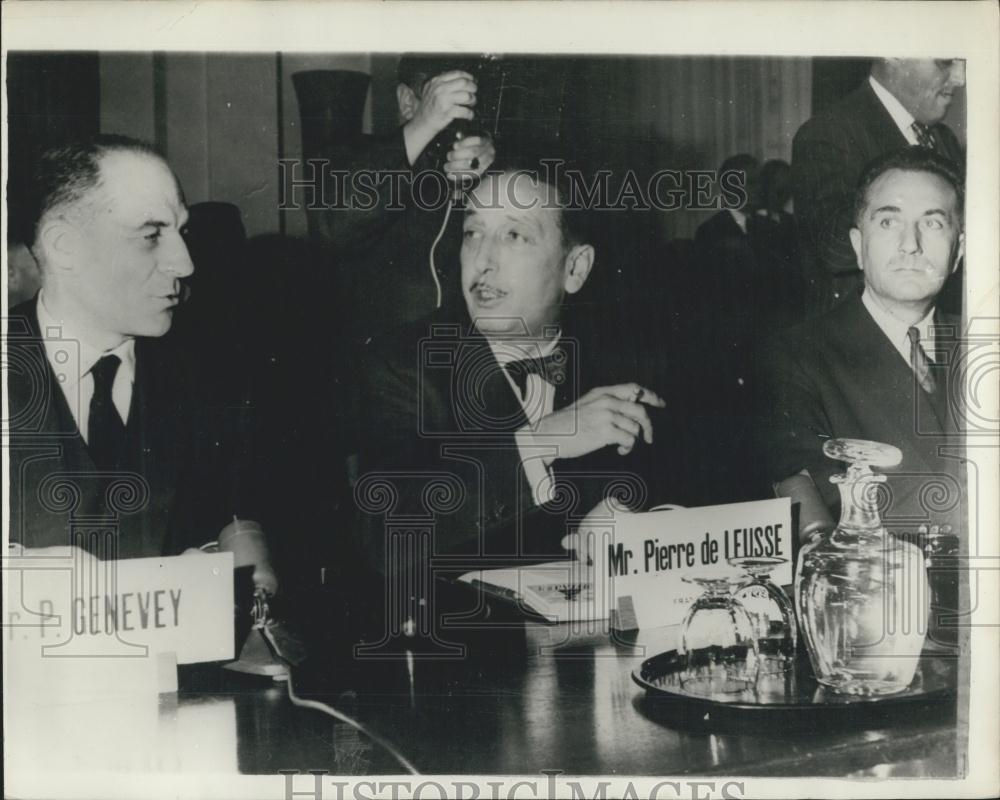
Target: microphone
(245, 539)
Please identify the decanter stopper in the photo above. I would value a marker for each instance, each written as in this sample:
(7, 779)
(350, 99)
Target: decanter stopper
(858, 495)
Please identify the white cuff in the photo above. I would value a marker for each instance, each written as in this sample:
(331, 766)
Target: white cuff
(536, 471)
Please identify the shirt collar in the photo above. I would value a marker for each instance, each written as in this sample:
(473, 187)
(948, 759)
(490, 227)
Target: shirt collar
(896, 329)
(68, 352)
(904, 119)
(507, 351)
(739, 218)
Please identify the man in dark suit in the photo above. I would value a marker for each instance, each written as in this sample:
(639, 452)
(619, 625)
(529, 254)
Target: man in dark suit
(113, 449)
(494, 430)
(393, 200)
(877, 366)
(904, 101)
(744, 269)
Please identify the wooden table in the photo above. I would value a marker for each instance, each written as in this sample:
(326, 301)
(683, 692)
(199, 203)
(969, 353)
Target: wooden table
(524, 699)
(539, 697)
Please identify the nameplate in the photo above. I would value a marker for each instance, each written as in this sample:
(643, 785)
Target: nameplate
(645, 557)
(71, 606)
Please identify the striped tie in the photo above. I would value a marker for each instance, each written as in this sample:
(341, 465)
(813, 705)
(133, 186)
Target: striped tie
(920, 363)
(925, 135)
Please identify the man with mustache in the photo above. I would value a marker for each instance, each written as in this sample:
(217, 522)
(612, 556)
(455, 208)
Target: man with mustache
(500, 427)
(105, 418)
(903, 102)
(882, 365)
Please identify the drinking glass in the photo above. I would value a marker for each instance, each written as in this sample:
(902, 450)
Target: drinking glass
(718, 639)
(770, 610)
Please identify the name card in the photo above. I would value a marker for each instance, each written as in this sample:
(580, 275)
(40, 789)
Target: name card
(63, 604)
(644, 558)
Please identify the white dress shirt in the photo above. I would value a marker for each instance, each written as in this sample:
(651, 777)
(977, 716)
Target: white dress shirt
(537, 402)
(897, 331)
(739, 218)
(72, 358)
(904, 119)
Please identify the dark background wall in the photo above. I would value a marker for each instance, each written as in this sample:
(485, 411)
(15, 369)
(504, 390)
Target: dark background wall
(224, 120)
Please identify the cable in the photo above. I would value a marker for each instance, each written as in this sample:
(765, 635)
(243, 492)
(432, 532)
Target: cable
(326, 709)
(434, 274)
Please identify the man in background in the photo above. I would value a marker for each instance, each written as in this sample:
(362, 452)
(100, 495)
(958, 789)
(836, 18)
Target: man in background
(746, 279)
(381, 235)
(903, 102)
(102, 409)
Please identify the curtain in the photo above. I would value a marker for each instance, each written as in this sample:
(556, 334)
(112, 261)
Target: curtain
(697, 111)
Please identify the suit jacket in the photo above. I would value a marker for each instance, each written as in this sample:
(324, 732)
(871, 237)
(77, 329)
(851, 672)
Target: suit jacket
(438, 425)
(754, 273)
(829, 153)
(375, 219)
(840, 376)
(188, 467)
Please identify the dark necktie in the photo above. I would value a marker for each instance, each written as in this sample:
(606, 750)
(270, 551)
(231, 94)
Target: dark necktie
(105, 429)
(552, 368)
(920, 363)
(925, 136)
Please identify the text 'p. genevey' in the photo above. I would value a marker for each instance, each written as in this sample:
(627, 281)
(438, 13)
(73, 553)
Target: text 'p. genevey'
(128, 611)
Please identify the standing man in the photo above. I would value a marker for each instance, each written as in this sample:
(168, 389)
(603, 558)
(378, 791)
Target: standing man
(903, 102)
(395, 199)
(878, 365)
(98, 399)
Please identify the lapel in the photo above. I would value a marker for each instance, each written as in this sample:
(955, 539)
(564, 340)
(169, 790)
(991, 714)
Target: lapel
(39, 405)
(948, 142)
(884, 134)
(158, 428)
(946, 342)
(884, 383)
(480, 396)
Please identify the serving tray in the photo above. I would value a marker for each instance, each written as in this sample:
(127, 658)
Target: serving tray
(794, 699)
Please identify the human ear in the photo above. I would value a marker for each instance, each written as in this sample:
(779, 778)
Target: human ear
(59, 242)
(407, 101)
(959, 251)
(855, 235)
(578, 263)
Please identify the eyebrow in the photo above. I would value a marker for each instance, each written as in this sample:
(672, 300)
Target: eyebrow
(523, 219)
(896, 210)
(156, 223)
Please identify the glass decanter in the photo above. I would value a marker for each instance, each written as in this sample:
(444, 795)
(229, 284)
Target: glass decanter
(861, 594)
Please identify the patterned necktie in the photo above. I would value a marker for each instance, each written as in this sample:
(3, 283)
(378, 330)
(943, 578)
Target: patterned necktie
(552, 368)
(925, 135)
(920, 363)
(105, 429)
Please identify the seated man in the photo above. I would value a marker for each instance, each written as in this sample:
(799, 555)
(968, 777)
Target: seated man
(496, 429)
(877, 366)
(113, 449)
